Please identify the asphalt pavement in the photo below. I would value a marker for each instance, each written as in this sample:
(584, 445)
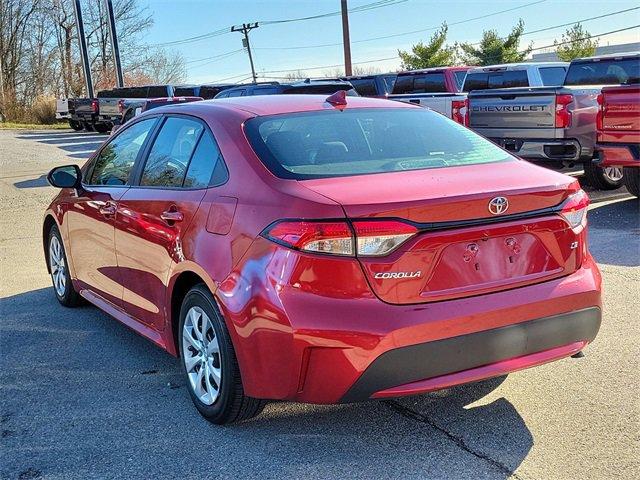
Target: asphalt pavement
(84, 397)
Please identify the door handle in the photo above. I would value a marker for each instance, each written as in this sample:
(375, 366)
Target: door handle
(108, 208)
(171, 216)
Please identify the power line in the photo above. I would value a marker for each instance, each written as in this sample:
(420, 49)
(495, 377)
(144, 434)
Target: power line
(222, 55)
(406, 33)
(586, 38)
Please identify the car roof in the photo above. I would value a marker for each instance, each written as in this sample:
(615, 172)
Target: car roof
(607, 56)
(279, 104)
(507, 66)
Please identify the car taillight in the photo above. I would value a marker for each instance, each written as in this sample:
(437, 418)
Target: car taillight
(370, 238)
(456, 111)
(601, 111)
(575, 208)
(94, 106)
(563, 115)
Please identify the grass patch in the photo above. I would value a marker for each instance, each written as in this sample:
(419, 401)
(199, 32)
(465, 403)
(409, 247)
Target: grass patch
(33, 126)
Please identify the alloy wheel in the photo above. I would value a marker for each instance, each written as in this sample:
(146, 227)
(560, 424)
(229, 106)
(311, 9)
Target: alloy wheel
(201, 355)
(614, 174)
(58, 266)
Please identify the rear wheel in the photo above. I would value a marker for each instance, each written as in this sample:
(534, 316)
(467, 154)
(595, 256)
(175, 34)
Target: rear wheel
(77, 126)
(87, 126)
(101, 127)
(59, 268)
(209, 362)
(632, 180)
(607, 178)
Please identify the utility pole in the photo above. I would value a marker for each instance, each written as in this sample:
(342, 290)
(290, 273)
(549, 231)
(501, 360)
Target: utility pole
(245, 29)
(83, 49)
(114, 43)
(345, 38)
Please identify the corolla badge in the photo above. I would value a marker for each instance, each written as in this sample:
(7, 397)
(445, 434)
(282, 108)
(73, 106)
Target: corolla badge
(398, 274)
(498, 205)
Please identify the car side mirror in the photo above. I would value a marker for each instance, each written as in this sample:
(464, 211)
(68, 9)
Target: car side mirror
(67, 176)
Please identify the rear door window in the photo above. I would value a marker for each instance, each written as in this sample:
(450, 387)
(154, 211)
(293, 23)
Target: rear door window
(365, 87)
(235, 93)
(553, 76)
(115, 161)
(206, 166)
(171, 152)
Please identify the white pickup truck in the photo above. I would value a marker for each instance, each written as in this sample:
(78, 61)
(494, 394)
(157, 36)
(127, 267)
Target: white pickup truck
(444, 89)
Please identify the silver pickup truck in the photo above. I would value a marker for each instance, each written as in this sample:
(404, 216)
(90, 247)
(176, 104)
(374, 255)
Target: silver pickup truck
(112, 103)
(555, 125)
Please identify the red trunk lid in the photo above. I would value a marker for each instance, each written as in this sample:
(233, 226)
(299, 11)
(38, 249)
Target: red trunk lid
(452, 261)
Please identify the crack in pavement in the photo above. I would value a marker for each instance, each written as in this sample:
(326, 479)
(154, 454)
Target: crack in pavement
(408, 413)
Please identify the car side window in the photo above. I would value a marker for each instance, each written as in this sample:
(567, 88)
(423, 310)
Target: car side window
(206, 166)
(237, 93)
(171, 152)
(115, 161)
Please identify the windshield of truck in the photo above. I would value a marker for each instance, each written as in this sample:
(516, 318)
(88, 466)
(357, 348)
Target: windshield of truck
(360, 141)
(610, 71)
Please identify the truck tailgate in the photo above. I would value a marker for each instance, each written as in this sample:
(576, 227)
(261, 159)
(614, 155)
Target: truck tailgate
(512, 109)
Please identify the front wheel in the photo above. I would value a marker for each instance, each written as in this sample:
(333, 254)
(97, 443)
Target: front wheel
(59, 269)
(607, 178)
(632, 180)
(209, 362)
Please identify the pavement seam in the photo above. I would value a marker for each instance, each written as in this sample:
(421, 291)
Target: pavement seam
(408, 413)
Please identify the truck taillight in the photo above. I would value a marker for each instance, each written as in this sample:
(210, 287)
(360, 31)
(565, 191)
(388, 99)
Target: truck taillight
(601, 110)
(369, 238)
(121, 106)
(457, 113)
(575, 208)
(563, 115)
(94, 106)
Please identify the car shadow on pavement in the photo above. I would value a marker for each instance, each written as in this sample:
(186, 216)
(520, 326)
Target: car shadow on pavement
(614, 233)
(41, 181)
(78, 144)
(102, 392)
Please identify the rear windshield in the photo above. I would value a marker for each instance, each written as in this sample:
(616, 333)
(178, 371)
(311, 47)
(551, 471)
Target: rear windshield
(490, 80)
(552, 76)
(320, 89)
(425, 83)
(184, 91)
(604, 72)
(361, 141)
(365, 87)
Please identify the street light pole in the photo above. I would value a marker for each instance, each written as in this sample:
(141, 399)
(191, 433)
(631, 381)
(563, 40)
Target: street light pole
(345, 38)
(245, 29)
(114, 43)
(83, 48)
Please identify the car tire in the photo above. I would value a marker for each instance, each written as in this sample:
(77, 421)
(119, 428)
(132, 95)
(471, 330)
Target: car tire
(77, 126)
(632, 180)
(609, 178)
(59, 270)
(101, 127)
(87, 126)
(212, 363)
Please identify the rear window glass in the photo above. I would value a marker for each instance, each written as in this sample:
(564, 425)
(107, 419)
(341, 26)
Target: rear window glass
(489, 80)
(364, 141)
(604, 72)
(322, 89)
(185, 92)
(364, 86)
(427, 83)
(553, 76)
(207, 92)
(475, 81)
(155, 92)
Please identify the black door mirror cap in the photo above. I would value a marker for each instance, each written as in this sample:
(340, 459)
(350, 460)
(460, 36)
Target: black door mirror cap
(65, 176)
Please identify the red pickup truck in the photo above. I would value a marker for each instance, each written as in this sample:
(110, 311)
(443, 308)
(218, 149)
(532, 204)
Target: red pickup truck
(618, 140)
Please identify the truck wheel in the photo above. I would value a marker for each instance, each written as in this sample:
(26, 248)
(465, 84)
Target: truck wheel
(608, 178)
(101, 127)
(88, 127)
(76, 125)
(632, 180)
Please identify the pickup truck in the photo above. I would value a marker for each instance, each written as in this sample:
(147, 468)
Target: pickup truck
(439, 89)
(135, 108)
(112, 103)
(376, 86)
(515, 75)
(618, 132)
(555, 125)
(308, 86)
(81, 113)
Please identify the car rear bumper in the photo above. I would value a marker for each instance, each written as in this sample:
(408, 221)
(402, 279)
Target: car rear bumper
(617, 155)
(307, 328)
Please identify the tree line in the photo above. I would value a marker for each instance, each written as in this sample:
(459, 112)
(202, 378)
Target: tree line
(40, 58)
(492, 49)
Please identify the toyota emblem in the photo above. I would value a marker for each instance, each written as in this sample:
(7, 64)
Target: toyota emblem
(498, 205)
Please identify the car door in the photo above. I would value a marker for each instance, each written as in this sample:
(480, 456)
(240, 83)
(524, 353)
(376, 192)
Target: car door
(91, 216)
(154, 214)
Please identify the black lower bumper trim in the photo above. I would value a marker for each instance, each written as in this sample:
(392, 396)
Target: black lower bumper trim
(450, 355)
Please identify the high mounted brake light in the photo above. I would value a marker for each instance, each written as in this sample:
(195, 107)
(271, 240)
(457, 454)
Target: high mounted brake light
(369, 238)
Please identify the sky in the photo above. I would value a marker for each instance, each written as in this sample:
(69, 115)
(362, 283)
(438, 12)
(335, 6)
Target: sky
(276, 46)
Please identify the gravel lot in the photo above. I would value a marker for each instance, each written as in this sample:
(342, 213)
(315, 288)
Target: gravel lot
(84, 397)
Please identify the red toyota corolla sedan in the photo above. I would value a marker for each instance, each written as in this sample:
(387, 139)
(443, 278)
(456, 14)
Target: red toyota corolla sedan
(324, 249)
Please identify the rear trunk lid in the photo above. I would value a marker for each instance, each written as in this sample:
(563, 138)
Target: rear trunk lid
(526, 108)
(461, 249)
